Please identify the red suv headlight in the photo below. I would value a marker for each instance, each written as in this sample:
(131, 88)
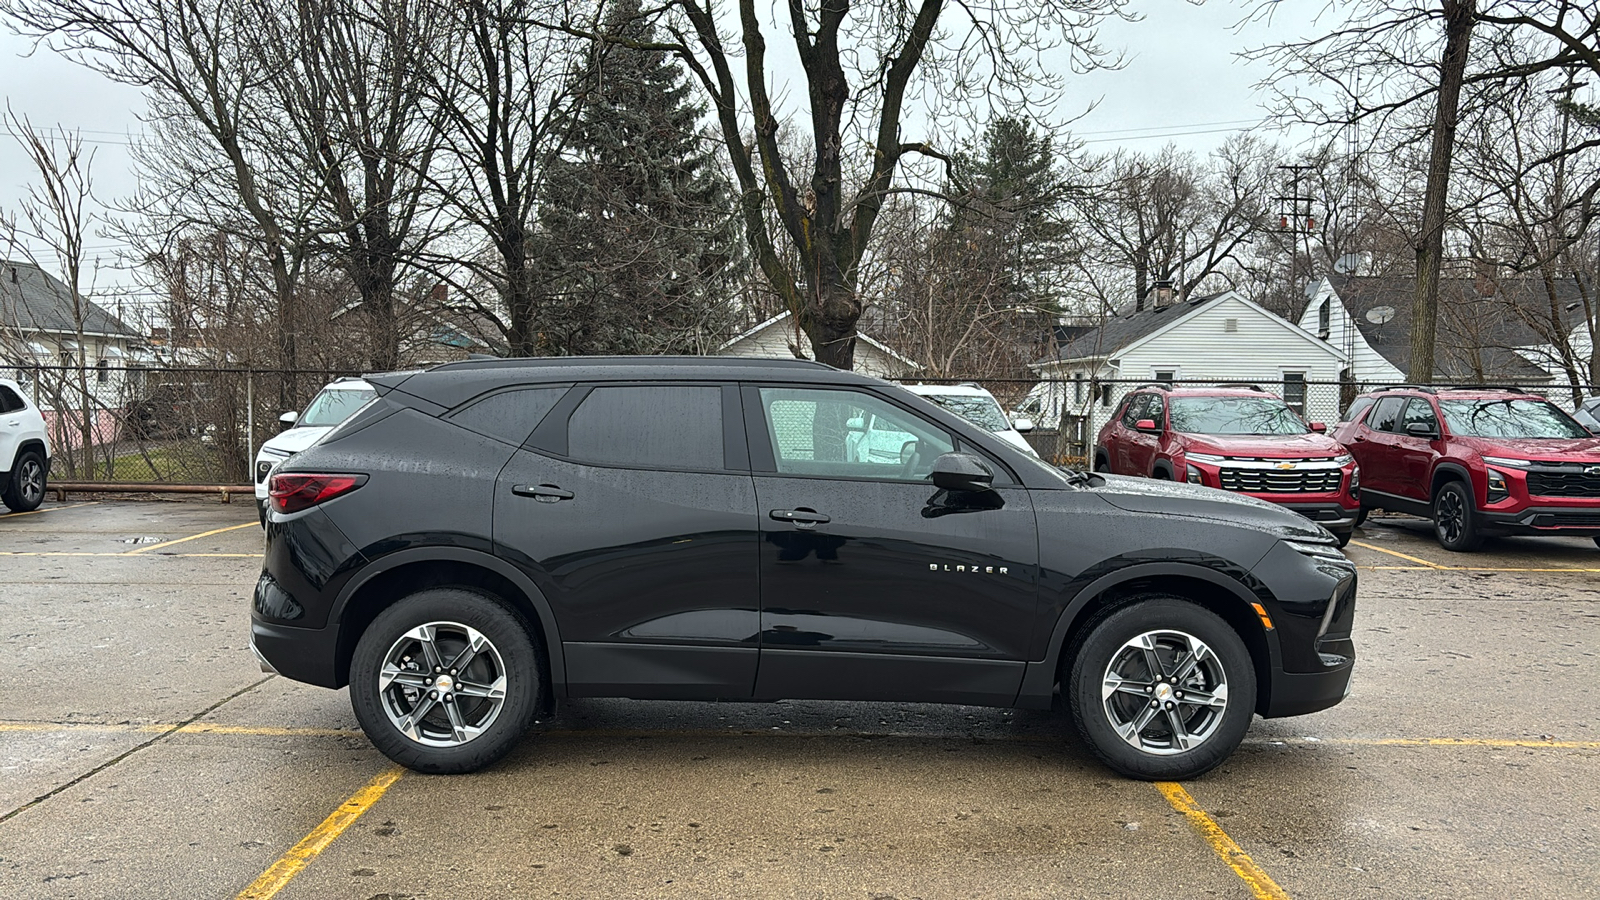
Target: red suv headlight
(294, 491)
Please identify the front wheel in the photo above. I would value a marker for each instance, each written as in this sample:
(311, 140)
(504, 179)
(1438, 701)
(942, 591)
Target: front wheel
(1454, 519)
(446, 681)
(1342, 538)
(24, 490)
(1361, 517)
(1161, 688)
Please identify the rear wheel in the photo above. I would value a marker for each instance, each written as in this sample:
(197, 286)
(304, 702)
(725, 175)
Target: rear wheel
(446, 681)
(1454, 519)
(24, 490)
(1161, 688)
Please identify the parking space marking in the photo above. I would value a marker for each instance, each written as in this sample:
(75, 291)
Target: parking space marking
(51, 509)
(1467, 569)
(191, 728)
(172, 555)
(1367, 546)
(193, 537)
(280, 873)
(1261, 884)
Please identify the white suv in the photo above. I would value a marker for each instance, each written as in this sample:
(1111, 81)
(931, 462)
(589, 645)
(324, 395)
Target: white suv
(979, 407)
(333, 404)
(24, 450)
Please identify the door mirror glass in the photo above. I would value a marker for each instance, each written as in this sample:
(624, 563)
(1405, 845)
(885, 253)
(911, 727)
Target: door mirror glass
(1146, 425)
(1022, 425)
(961, 472)
(1319, 427)
(1420, 429)
(289, 418)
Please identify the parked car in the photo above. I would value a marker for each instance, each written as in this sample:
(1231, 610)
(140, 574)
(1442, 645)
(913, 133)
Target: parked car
(1588, 415)
(1238, 439)
(332, 405)
(488, 537)
(978, 406)
(24, 450)
(1477, 462)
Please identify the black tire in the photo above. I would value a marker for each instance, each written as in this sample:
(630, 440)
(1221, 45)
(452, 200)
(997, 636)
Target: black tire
(1361, 517)
(1102, 465)
(261, 513)
(1597, 540)
(24, 490)
(1455, 518)
(516, 655)
(1106, 641)
(1342, 537)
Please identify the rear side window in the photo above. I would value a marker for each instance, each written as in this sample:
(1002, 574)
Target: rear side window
(649, 427)
(9, 401)
(1387, 416)
(509, 416)
(1356, 408)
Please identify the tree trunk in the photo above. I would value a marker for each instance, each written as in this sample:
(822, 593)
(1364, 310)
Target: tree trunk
(1459, 17)
(829, 320)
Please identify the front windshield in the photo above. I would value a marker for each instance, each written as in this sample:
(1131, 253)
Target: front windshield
(1509, 419)
(332, 406)
(1234, 415)
(977, 409)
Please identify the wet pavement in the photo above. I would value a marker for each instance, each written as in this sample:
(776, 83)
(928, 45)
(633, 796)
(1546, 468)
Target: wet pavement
(142, 754)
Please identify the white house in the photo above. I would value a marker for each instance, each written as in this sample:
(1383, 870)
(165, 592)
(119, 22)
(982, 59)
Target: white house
(780, 336)
(1221, 338)
(42, 324)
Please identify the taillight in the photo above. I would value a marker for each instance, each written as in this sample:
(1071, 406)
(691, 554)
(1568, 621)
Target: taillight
(294, 491)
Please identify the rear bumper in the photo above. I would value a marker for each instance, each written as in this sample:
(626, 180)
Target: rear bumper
(299, 654)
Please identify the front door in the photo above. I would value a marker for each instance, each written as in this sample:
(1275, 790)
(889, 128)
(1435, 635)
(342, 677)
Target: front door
(1414, 455)
(633, 509)
(876, 585)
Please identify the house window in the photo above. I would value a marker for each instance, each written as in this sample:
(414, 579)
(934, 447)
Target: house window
(102, 371)
(1166, 376)
(1323, 326)
(1294, 391)
(1077, 387)
(1105, 395)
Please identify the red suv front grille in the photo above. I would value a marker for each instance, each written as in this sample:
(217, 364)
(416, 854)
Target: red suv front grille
(1571, 483)
(1271, 481)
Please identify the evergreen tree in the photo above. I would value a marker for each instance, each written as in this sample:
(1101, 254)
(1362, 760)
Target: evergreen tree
(637, 225)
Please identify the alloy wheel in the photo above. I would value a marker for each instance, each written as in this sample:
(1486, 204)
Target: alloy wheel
(1450, 518)
(30, 479)
(1165, 692)
(442, 684)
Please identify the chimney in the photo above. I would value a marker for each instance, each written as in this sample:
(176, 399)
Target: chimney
(1163, 293)
(1485, 278)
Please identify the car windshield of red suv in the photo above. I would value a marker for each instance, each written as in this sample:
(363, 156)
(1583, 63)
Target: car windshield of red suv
(1509, 419)
(1234, 415)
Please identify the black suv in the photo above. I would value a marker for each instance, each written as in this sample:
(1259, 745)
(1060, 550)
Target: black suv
(488, 537)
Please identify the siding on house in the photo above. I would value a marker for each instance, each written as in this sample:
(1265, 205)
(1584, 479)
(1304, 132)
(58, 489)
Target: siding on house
(771, 340)
(1367, 366)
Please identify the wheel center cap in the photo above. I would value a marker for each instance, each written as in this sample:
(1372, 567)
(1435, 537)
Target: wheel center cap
(445, 684)
(1163, 692)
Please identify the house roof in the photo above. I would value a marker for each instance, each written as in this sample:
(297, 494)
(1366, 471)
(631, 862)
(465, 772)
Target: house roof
(1127, 328)
(784, 316)
(32, 300)
(1478, 333)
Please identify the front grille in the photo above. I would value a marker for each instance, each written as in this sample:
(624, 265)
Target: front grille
(1563, 484)
(1273, 481)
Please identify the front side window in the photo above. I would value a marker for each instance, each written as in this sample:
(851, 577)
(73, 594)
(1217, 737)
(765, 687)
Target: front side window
(1131, 412)
(1509, 419)
(9, 401)
(648, 427)
(849, 434)
(334, 405)
(1419, 412)
(1356, 408)
(1234, 415)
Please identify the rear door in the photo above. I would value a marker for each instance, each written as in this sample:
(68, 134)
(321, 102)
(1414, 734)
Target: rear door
(875, 585)
(1375, 447)
(632, 507)
(12, 423)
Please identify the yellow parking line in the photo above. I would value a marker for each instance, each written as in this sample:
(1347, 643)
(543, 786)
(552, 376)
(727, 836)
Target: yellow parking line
(192, 728)
(51, 509)
(1261, 884)
(1468, 569)
(193, 537)
(1414, 559)
(300, 855)
(182, 555)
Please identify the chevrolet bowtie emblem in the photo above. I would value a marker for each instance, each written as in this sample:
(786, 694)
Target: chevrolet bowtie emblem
(1285, 465)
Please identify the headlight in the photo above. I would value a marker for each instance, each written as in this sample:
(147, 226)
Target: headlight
(1355, 481)
(1343, 459)
(1194, 476)
(1497, 486)
(1320, 551)
(1502, 461)
(1205, 457)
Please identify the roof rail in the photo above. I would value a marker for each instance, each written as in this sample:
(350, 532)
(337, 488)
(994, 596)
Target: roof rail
(1426, 389)
(1158, 385)
(1507, 388)
(1242, 385)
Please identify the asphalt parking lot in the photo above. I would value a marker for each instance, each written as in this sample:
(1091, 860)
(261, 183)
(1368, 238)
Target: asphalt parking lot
(143, 754)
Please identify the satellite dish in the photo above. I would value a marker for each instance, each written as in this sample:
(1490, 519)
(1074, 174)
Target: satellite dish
(1378, 315)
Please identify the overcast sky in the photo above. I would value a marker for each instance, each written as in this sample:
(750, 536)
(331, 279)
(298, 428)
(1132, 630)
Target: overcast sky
(1182, 83)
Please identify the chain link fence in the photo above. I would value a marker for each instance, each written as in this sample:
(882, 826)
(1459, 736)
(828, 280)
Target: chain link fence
(1067, 415)
(168, 425)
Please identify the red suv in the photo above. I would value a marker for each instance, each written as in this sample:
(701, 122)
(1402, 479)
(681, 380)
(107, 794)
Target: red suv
(1238, 439)
(1477, 462)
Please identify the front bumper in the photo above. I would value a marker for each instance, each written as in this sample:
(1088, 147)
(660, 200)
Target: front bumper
(1566, 520)
(1331, 515)
(1295, 694)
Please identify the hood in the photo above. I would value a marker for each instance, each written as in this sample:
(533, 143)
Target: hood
(1173, 498)
(1266, 445)
(1553, 449)
(296, 439)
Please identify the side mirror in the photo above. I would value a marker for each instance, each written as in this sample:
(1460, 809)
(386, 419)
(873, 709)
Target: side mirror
(289, 418)
(961, 472)
(1421, 429)
(1146, 425)
(1022, 425)
(1319, 427)
(856, 424)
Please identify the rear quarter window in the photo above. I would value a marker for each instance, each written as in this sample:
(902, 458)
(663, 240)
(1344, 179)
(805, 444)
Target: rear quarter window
(509, 416)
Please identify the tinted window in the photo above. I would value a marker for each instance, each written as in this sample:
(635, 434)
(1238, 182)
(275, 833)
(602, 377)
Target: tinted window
(1133, 412)
(1354, 412)
(849, 434)
(671, 427)
(9, 401)
(1387, 416)
(1419, 411)
(510, 416)
(1509, 419)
